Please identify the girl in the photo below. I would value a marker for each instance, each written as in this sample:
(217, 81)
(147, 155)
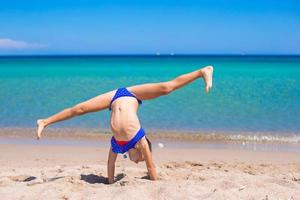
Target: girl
(128, 135)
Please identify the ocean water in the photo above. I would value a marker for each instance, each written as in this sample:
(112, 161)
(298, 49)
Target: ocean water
(250, 94)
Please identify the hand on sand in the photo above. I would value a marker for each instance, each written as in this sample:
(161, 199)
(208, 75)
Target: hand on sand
(207, 73)
(40, 128)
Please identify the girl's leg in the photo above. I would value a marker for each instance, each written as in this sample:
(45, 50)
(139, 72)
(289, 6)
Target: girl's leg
(95, 104)
(154, 90)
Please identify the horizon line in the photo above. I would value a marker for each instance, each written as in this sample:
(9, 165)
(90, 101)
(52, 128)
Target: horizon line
(143, 55)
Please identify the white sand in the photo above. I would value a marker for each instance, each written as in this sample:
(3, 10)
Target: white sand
(69, 172)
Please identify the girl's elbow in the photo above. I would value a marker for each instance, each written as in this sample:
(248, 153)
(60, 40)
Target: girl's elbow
(111, 163)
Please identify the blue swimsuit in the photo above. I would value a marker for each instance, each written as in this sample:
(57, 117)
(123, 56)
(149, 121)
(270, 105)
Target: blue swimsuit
(123, 92)
(117, 148)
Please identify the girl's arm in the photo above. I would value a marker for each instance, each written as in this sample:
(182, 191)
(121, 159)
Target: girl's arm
(111, 166)
(148, 159)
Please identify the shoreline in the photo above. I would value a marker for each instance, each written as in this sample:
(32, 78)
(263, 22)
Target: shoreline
(213, 136)
(171, 140)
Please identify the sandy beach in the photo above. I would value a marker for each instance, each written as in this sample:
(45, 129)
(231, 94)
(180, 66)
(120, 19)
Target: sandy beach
(54, 169)
(214, 85)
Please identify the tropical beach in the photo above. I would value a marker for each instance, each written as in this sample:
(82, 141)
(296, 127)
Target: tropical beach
(255, 155)
(160, 99)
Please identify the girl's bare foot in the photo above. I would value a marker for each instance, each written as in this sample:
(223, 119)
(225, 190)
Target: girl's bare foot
(207, 73)
(40, 127)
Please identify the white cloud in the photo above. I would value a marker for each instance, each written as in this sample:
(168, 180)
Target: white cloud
(6, 43)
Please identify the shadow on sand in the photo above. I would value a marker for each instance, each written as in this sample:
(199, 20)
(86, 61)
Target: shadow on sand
(92, 178)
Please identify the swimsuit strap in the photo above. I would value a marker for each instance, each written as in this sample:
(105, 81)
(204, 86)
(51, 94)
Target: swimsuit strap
(122, 92)
(116, 148)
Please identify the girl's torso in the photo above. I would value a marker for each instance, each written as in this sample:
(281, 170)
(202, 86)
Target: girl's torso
(124, 121)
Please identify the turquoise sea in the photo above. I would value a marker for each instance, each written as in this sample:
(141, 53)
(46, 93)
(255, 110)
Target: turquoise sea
(251, 94)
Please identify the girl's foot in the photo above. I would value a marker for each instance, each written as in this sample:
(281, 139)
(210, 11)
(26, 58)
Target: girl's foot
(207, 73)
(40, 127)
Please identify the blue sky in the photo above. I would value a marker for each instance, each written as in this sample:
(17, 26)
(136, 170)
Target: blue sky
(147, 27)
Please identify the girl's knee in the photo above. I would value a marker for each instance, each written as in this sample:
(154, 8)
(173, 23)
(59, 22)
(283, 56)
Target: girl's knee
(79, 109)
(167, 87)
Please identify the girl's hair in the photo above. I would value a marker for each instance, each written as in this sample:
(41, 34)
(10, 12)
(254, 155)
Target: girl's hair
(149, 144)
